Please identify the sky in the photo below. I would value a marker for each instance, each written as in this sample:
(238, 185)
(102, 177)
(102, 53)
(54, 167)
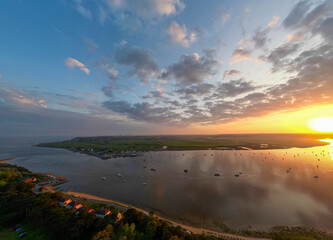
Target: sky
(147, 67)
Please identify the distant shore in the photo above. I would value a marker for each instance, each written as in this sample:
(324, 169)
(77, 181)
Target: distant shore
(132, 146)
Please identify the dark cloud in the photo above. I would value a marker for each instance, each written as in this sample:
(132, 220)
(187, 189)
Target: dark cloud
(297, 14)
(145, 111)
(233, 88)
(278, 55)
(240, 54)
(141, 61)
(260, 37)
(326, 29)
(231, 72)
(192, 69)
(196, 90)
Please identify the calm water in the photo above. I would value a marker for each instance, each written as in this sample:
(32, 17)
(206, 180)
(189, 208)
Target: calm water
(265, 194)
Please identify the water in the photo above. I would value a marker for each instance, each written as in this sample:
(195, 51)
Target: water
(265, 193)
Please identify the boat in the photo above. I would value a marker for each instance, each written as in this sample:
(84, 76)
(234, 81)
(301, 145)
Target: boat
(119, 175)
(185, 170)
(103, 178)
(236, 175)
(144, 183)
(316, 176)
(216, 174)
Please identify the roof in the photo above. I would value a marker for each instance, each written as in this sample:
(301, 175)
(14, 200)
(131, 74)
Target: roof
(103, 211)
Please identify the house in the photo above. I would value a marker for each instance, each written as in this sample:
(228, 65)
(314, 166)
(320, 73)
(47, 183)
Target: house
(119, 217)
(84, 209)
(64, 201)
(75, 205)
(29, 180)
(102, 212)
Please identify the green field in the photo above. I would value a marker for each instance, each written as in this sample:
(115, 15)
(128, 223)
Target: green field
(194, 142)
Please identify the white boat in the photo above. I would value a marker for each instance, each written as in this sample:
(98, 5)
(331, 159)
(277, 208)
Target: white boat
(144, 183)
(103, 178)
(119, 175)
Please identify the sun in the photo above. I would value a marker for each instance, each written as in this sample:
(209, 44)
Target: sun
(322, 124)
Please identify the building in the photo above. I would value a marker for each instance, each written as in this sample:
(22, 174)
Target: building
(74, 205)
(102, 212)
(64, 201)
(119, 217)
(84, 209)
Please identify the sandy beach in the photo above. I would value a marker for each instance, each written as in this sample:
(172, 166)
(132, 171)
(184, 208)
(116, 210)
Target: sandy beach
(6, 159)
(123, 206)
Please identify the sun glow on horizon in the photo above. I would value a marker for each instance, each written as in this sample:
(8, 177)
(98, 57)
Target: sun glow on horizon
(322, 124)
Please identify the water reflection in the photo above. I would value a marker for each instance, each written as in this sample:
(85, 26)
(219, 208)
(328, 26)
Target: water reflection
(274, 187)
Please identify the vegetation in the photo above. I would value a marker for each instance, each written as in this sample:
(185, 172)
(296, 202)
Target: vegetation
(231, 141)
(279, 232)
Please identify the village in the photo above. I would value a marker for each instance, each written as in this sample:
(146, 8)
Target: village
(107, 153)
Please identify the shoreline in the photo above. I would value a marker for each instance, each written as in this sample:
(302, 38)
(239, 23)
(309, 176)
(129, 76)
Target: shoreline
(6, 159)
(195, 230)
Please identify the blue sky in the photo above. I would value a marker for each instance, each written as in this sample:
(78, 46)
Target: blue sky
(110, 67)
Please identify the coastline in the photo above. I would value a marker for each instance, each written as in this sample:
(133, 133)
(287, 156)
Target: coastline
(195, 230)
(6, 159)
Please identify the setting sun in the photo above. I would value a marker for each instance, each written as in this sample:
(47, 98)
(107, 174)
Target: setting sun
(322, 124)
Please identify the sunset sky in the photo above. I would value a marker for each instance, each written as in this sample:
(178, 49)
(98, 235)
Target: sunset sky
(110, 67)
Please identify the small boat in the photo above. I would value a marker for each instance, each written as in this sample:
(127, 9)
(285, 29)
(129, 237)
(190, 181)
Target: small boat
(236, 175)
(153, 169)
(316, 176)
(103, 178)
(124, 181)
(185, 170)
(119, 175)
(216, 174)
(144, 183)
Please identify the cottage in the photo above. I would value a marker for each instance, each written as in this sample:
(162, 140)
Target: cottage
(102, 212)
(75, 205)
(84, 209)
(119, 216)
(30, 180)
(64, 201)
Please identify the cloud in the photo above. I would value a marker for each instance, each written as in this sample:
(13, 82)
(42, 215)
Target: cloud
(178, 34)
(131, 15)
(278, 55)
(297, 14)
(145, 111)
(231, 72)
(233, 88)
(84, 11)
(72, 63)
(18, 97)
(295, 36)
(192, 69)
(90, 44)
(240, 54)
(196, 90)
(273, 22)
(224, 18)
(140, 60)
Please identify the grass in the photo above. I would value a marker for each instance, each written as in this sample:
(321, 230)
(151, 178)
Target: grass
(33, 233)
(194, 142)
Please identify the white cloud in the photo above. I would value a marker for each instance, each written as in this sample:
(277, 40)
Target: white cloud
(79, 6)
(72, 63)
(178, 34)
(273, 22)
